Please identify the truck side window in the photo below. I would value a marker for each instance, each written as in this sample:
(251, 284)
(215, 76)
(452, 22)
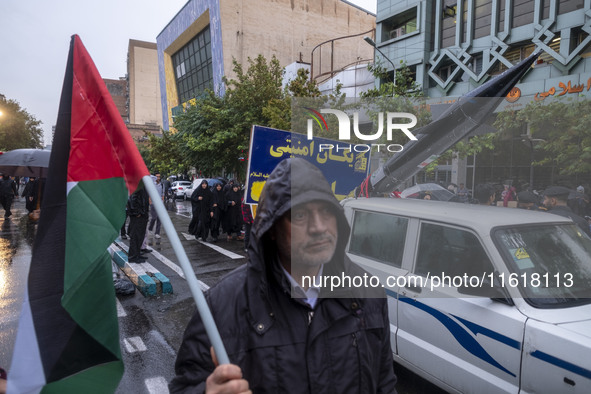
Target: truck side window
(379, 237)
(451, 251)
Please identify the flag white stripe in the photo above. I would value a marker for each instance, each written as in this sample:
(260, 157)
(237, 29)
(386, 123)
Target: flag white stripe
(26, 371)
(70, 186)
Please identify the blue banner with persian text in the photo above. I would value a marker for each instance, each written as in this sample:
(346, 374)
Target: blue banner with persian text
(344, 168)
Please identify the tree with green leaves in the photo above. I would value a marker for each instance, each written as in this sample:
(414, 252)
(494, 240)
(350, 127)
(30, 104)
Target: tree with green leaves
(403, 84)
(217, 129)
(164, 153)
(213, 135)
(18, 128)
(562, 129)
(279, 111)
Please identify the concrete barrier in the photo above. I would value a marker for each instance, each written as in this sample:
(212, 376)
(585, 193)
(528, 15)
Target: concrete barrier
(149, 281)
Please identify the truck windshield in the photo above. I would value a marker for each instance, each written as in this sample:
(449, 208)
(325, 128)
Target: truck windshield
(550, 264)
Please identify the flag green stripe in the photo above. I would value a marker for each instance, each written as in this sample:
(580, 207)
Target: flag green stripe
(98, 379)
(95, 213)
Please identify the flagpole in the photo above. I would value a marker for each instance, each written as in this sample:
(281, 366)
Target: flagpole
(202, 307)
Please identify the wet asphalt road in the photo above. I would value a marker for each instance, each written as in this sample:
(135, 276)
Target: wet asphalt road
(16, 242)
(151, 328)
(159, 322)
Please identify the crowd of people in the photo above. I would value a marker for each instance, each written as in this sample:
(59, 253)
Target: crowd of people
(559, 200)
(10, 187)
(216, 210)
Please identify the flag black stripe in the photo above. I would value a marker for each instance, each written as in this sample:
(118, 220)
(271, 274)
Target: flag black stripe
(58, 336)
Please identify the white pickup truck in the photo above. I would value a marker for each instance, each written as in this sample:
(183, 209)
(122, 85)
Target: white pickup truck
(481, 299)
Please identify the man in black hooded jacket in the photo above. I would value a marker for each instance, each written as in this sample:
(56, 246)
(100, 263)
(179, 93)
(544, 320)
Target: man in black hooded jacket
(281, 336)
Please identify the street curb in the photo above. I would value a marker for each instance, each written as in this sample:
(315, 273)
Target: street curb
(146, 278)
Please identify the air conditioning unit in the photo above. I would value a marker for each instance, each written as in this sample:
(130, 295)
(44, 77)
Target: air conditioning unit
(397, 32)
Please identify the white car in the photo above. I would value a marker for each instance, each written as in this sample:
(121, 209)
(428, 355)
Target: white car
(179, 187)
(515, 314)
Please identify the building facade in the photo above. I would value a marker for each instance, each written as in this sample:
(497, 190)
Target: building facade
(144, 87)
(456, 45)
(143, 99)
(118, 90)
(197, 47)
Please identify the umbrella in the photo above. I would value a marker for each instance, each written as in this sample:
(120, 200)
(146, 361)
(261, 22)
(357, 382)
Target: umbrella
(25, 162)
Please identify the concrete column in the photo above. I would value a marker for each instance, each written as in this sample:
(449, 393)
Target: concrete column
(458, 171)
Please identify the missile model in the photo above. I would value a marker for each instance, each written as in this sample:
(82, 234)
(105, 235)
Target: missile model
(460, 120)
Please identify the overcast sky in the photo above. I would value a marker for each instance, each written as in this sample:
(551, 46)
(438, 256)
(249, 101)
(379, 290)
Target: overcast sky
(35, 38)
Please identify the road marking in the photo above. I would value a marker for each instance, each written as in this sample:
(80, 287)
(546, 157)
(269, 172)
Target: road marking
(157, 385)
(120, 311)
(134, 344)
(188, 237)
(168, 263)
(221, 250)
(183, 215)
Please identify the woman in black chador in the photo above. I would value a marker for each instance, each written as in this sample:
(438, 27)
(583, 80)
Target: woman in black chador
(29, 195)
(218, 208)
(201, 204)
(234, 213)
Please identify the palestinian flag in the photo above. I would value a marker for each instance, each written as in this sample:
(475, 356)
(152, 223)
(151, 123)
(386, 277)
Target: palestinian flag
(68, 334)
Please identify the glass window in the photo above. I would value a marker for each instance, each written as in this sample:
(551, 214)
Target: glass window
(399, 25)
(193, 67)
(551, 263)
(565, 6)
(379, 236)
(450, 251)
(523, 12)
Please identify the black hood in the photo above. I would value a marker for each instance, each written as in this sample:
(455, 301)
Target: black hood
(294, 182)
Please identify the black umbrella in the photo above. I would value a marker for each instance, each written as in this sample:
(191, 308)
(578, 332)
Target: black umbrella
(25, 162)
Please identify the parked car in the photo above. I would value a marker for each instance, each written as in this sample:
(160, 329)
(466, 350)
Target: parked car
(436, 192)
(522, 323)
(179, 188)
